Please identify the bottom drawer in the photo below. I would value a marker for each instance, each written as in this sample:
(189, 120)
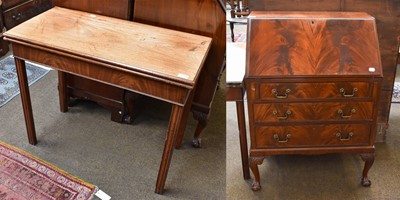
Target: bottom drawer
(312, 136)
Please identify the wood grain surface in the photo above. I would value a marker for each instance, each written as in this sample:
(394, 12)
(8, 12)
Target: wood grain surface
(387, 21)
(312, 135)
(301, 112)
(319, 91)
(147, 49)
(205, 17)
(312, 43)
(114, 8)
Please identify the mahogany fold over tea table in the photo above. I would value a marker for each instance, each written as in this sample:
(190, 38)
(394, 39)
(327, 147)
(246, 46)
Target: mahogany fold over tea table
(157, 62)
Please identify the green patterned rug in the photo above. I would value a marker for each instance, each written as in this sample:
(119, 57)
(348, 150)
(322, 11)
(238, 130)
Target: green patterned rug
(9, 87)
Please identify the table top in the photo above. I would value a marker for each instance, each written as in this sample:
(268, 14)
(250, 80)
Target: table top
(157, 52)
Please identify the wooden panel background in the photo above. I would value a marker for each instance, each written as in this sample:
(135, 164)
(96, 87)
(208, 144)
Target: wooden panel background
(387, 15)
(112, 8)
(203, 17)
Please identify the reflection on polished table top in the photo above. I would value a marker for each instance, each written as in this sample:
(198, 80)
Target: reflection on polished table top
(153, 61)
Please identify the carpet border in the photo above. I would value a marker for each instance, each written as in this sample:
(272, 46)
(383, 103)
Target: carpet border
(50, 165)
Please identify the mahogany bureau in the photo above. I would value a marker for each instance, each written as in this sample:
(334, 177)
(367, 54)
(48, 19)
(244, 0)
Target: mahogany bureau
(313, 81)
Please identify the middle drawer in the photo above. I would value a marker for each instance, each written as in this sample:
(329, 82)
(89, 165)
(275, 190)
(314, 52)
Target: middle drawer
(277, 112)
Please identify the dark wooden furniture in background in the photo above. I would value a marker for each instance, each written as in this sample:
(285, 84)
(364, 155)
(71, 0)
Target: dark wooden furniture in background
(119, 101)
(14, 12)
(238, 14)
(166, 73)
(386, 13)
(313, 82)
(3, 44)
(17, 11)
(121, 9)
(206, 17)
(239, 8)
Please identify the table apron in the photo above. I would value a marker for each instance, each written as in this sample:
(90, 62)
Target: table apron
(145, 84)
(234, 93)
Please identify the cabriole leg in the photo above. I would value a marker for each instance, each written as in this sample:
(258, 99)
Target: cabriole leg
(254, 162)
(202, 119)
(368, 158)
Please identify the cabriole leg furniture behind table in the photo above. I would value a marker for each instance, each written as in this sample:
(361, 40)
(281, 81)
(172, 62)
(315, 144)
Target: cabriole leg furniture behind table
(168, 74)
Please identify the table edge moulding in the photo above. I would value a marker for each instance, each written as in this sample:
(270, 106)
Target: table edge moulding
(170, 75)
(313, 82)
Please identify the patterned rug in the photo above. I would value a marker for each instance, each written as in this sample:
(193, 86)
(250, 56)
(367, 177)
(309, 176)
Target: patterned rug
(9, 80)
(25, 177)
(396, 93)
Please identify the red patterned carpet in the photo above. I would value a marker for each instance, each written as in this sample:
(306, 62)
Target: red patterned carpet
(23, 176)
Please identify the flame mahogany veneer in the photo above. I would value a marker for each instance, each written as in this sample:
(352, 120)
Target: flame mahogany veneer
(313, 82)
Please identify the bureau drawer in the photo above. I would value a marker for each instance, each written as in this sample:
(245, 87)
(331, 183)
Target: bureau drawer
(346, 90)
(10, 3)
(277, 112)
(312, 136)
(25, 11)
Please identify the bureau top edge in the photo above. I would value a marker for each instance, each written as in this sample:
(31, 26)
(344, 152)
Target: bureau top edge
(310, 15)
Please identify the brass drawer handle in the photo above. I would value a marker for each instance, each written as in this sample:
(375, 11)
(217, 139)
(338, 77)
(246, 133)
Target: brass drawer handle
(276, 137)
(340, 112)
(275, 92)
(339, 135)
(287, 114)
(17, 17)
(342, 90)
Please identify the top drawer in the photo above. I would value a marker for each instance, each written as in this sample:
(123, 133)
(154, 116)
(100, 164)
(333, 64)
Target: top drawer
(10, 3)
(279, 91)
(24, 11)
